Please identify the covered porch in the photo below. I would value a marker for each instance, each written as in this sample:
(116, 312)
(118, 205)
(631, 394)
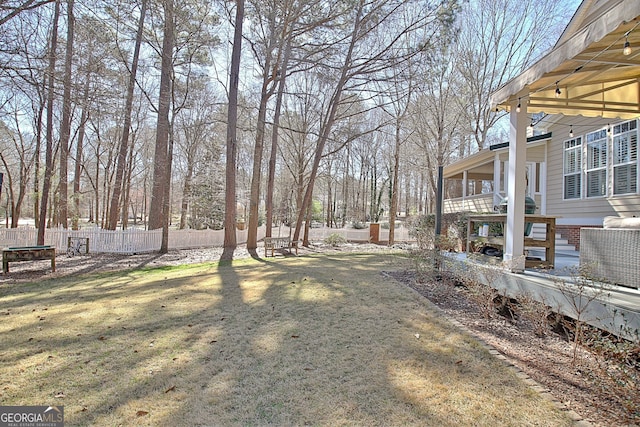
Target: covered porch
(592, 72)
(483, 178)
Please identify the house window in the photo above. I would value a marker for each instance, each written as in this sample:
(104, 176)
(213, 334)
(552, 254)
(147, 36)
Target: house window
(596, 163)
(572, 168)
(625, 158)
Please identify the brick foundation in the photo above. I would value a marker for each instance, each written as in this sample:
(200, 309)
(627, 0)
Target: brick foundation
(571, 233)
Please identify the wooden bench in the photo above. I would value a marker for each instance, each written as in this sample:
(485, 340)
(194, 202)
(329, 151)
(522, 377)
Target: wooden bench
(272, 244)
(28, 253)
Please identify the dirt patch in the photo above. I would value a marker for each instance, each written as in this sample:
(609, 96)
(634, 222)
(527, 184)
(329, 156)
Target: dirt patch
(95, 263)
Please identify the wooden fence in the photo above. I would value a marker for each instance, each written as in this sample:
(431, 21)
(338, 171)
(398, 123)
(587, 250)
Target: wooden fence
(133, 240)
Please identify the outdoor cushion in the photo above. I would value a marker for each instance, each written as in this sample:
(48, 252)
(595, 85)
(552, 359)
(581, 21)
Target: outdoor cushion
(618, 222)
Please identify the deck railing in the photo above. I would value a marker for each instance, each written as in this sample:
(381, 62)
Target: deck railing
(474, 203)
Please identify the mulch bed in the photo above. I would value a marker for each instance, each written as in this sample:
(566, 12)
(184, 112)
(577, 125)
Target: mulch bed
(580, 384)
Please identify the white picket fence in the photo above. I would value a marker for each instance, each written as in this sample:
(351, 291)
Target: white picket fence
(133, 241)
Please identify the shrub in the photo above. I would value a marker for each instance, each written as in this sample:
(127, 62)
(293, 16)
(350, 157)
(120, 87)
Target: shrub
(618, 370)
(335, 239)
(536, 312)
(387, 226)
(358, 225)
(480, 283)
(453, 232)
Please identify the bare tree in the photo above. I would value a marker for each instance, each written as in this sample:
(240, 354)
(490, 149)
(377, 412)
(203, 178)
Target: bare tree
(275, 132)
(65, 124)
(196, 127)
(266, 50)
(277, 25)
(497, 40)
(46, 185)
(230, 241)
(400, 92)
(436, 120)
(13, 8)
(377, 32)
(77, 170)
(160, 164)
(126, 127)
(18, 158)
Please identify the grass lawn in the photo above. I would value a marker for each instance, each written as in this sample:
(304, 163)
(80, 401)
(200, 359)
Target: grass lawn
(314, 340)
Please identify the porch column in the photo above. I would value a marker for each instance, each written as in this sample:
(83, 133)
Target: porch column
(497, 179)
(465, 185)
(514, 234)
(543, 181)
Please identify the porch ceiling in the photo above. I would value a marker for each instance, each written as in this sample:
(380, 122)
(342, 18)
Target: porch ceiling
(594, 77)
(478, 166)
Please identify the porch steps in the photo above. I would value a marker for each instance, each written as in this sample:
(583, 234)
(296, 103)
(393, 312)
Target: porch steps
(538, 232)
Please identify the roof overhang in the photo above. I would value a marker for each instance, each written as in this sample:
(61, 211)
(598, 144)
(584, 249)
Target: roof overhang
(479, 166)
(594, 77)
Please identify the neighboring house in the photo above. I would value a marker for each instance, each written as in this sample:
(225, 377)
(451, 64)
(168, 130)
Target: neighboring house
(588, 89)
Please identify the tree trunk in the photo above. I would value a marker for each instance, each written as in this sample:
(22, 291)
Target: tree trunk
(77, 170)
(65, 125)
(166, 207)
(46, 181)
(394, 186)
(127, 190)
(6, 180)
(256, 175)
(230, 241)
(274, 140)
(160, 166)
(124, 141)
(329, 218)
(96, 188)
(38, 149)
(186, 194)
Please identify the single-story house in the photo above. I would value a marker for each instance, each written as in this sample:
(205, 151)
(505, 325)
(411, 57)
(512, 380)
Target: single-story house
(579, 161)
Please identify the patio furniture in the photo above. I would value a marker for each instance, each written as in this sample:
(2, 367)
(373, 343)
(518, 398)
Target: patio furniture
(611, 254)
(282, 244)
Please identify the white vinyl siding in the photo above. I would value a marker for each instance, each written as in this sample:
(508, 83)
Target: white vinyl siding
(596, 163)
(572, 171)
(625, 158)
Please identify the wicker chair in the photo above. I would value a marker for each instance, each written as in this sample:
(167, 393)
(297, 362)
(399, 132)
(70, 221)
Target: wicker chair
(611, 254)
